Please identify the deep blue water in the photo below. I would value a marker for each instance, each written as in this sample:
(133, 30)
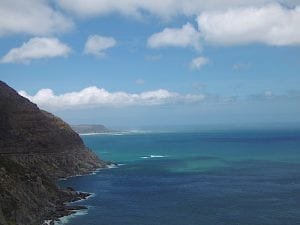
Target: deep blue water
(197, 178)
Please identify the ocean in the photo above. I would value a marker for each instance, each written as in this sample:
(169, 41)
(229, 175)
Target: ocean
(234, 177)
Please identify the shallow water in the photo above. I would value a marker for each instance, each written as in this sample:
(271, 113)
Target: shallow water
(212, 178)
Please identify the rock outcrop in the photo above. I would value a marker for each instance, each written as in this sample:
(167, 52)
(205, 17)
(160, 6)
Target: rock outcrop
(36, 148)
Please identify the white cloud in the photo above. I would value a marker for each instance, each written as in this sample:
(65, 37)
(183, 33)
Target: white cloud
(166, 9)
(199, 62)
(186, 36)
(36, 48)
(241, 66)
(270, 24)
(96, 45)
(95, 97)
(140, 81)
(31, 17)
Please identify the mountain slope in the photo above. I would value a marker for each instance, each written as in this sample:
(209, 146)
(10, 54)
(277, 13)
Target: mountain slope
(36, 148)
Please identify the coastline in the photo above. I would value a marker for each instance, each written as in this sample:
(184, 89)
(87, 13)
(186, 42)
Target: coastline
(108, 165)
(38, 148)
(117, 133)
(63, 208)
(73, 210)
(65, 219)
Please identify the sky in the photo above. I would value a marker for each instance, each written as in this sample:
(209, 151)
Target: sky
(135, 63)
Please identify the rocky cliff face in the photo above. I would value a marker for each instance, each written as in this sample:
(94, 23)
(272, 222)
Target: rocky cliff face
(36, 148)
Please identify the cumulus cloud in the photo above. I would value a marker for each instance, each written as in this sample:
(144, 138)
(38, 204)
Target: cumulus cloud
(95, 97)
(199, 62)
(96, 45)
(36, 48)
(186, 36)
(160, 8)
(35, 17)
(271, 24)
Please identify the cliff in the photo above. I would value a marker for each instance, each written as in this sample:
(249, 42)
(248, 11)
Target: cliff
(36, 148)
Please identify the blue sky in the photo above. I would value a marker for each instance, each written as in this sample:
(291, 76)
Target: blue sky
(137, 63)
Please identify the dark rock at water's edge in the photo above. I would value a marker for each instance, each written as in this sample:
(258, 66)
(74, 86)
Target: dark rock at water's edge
(37, 148)
(90, 128)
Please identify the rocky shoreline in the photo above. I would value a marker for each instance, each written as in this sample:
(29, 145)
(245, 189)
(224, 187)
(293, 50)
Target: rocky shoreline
(70, 195)
(63, 209)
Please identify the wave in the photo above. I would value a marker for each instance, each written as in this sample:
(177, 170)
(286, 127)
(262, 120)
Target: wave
(109, 166)
(118, 133)
(92, 195)
(121, 164)
(66, 219)
(90, 134)
(96, 171)
(144, 157)
(157, 156)
(153, 156)
(106, 133)
(112, 166)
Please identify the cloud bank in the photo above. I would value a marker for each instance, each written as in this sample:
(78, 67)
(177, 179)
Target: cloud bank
(97, 97)
(35, 17)
(36, 48)
(271, 24)
(165, 9)
(96, 45)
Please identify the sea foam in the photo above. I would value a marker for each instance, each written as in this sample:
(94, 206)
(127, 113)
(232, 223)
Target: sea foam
(66, 219)
(153, 156)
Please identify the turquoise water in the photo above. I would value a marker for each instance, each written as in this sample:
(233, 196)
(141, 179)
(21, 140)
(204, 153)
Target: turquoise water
(194, 178)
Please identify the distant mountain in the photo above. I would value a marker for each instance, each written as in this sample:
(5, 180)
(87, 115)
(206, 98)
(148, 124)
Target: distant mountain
(36, 148)
(90, 128)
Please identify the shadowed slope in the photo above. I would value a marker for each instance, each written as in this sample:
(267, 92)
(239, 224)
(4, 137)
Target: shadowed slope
(36, 148)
